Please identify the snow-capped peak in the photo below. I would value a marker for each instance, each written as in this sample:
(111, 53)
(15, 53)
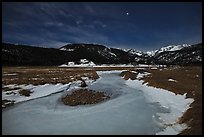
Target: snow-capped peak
(151, 53)
(133, 51)
(66, 49)
(136, 52)
(167, 48)
(173, 47)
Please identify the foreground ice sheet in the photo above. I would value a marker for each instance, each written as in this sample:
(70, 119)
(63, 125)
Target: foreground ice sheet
(127, 112)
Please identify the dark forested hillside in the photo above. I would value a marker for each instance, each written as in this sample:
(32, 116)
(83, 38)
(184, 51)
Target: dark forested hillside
(24, 55)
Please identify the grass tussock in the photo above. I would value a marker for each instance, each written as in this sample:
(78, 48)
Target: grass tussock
(25, 92)
(127, 74)
(84, 97)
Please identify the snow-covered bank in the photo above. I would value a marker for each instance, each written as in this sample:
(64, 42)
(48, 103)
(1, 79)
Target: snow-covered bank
(114, 65)
(88, 63)
(36, 91)
(82, 63)
(39, 90)
(175, 105)
(109, 72)
(94, 65)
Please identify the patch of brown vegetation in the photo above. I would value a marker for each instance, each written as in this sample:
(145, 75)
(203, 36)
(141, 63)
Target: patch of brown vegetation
(38, 75)
(128, 74)
(7, 103)
(132, 73)
(10, 88)
(189, 80)
(42, 75)
(83, 97)
(25, 92)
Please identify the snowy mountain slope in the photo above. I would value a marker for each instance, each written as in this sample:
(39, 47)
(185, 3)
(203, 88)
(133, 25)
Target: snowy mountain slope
(167, 48)
(184, 55)
(151, 53)
(135, 52)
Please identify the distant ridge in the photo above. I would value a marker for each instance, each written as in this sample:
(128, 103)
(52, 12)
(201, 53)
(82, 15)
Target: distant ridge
(25, 55)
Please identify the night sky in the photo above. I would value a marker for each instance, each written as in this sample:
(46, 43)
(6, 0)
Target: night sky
(142, 26)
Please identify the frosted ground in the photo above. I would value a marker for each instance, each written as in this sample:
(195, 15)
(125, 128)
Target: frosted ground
(134, 108)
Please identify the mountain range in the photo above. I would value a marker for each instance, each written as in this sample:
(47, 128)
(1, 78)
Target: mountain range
(25, 55)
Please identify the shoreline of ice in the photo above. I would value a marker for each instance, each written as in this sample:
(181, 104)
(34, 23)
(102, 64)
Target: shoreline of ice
(39, 91)
(177, 104)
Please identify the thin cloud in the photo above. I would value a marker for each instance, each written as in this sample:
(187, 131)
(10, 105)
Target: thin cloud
(58, 24)
(147, 26)
(89, 8)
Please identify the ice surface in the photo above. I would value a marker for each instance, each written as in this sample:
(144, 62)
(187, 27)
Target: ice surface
(128, 111)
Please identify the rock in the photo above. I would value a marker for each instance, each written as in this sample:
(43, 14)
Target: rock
(83, 83)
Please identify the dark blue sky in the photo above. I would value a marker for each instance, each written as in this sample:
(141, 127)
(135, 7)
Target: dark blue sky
(142, 26)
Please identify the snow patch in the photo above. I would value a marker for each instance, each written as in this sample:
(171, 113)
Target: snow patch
(172, 80)
(65, 49)
(12, 74)
(142, 75)
(83, 63)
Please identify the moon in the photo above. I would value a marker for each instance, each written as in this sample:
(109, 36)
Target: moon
(127, 13)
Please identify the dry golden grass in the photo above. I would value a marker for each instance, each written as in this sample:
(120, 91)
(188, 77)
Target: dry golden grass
(42, 75)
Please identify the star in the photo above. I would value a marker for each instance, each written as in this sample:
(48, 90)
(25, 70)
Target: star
(127, 13)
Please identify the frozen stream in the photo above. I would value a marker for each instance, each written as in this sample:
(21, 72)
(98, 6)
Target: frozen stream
(127, 112)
